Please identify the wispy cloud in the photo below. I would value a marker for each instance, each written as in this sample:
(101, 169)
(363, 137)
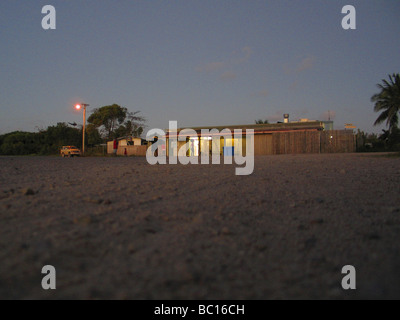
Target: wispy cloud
(237, 58)
(248, 52)
(210, 66)
(227, 76)
(303, 65)
(243, 56)
(294, 85)
(262, 93)
(306, 63)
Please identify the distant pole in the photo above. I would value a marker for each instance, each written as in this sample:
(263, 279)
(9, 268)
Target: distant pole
(78, 106)
(84, 127)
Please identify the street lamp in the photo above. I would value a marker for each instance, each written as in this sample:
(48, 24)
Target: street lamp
(78, 107)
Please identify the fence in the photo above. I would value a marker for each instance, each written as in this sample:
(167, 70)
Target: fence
(96, 151)
(296, 142)
(332, 141)
(338, 141)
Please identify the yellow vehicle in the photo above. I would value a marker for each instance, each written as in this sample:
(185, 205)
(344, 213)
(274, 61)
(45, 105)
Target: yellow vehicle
(70, 151)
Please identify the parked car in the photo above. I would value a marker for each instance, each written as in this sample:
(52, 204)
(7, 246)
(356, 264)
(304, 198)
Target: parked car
(70, 151)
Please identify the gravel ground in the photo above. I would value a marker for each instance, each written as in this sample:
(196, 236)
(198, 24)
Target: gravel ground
(118, 228)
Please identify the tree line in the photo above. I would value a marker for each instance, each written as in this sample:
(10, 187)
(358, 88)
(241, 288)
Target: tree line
(372, 142)
(104, 124)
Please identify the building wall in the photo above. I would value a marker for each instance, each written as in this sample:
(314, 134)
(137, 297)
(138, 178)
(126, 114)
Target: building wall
(263, 144)
(293, 142)
(122, 143)
(135, 141)
(132, 150)
(110, 147)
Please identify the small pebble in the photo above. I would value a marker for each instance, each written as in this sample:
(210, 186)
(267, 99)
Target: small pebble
(28, 192)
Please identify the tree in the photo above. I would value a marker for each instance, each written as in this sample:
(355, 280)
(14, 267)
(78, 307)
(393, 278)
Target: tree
(135, 124)
(18, 143)
(387, 101)
(57, 136)
(391, 139)
(115, 121)
(92, 135)
(109, 118)
(47, 141)
(259, 121)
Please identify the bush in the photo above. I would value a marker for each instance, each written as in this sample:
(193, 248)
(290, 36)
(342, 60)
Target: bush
(44, 142)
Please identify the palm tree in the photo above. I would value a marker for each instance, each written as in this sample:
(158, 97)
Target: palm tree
(388, 101)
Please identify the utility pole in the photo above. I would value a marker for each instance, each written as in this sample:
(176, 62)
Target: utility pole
(78, 107)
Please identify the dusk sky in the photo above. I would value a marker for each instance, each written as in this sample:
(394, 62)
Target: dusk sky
(202, 63)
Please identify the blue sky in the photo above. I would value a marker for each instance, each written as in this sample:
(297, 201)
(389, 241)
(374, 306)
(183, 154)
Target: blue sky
(202, 63)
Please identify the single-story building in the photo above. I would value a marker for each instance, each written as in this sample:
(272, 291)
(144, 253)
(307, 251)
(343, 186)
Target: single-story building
(130, 146)
(280, 138)
(303, 136)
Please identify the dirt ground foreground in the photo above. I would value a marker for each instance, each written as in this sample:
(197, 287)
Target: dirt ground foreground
(118, 228)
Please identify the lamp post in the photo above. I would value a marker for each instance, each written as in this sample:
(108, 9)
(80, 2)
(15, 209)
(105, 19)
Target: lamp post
(78, 107)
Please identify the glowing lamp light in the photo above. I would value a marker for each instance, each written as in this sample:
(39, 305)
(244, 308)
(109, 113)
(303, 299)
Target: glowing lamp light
(78, 107)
